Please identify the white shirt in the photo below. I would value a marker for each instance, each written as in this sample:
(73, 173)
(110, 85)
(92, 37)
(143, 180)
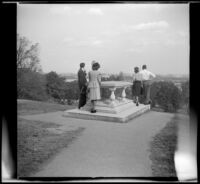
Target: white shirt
(146, 75)
(137, 76)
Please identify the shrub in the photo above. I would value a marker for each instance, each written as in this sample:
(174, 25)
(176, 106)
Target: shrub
(55, 85)
(31, 85)
(185, 92)
(71, 90)
(166, 95)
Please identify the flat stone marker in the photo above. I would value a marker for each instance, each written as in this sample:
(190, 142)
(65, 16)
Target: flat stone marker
(113, 109)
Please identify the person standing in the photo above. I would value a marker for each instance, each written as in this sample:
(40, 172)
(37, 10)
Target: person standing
(94, 85)
(82, 82)
(137, 83)
(147, 76)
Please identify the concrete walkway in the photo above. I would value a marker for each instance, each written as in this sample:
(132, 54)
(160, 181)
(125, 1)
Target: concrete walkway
(104, 148)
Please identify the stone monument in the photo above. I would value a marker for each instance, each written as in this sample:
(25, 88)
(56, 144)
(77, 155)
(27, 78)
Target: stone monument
(113, 109)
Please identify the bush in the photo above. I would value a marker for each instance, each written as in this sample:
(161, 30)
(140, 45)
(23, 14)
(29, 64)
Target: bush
(185, 92)
(55, 85)
(69, 102)
(166, 95)
(31, 85)
(59, 89)
(71, 90)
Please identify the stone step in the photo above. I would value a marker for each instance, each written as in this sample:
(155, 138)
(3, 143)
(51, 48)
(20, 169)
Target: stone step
(120, 117)
(111, 109)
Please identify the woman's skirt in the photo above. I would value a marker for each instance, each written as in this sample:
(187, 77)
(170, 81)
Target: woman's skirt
(136, 90)
(94, 94)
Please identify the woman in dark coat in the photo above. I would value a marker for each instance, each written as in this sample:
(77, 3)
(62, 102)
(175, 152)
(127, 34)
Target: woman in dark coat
(137, 84)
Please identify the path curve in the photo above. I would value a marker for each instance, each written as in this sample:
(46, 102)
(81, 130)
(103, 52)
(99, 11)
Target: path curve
(105, 149)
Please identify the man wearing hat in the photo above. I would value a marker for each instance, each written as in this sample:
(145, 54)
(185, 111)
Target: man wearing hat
(82, 82)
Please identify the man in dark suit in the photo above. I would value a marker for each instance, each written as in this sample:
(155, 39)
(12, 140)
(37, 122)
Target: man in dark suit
(82, 82)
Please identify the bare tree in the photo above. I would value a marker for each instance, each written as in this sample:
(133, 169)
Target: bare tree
(27, 54)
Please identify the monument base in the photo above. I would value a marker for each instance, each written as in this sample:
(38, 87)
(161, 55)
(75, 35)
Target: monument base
(108, 106)
(122, 116)
(115, 109)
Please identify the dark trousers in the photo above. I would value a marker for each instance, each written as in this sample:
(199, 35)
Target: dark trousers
(147, 90)
(83, 96)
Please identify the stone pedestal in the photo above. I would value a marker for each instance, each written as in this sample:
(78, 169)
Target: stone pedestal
(118, 109)
(113, 105)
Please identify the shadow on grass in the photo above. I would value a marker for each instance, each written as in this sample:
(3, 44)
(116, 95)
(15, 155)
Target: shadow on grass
(37, 146)
(163, 147)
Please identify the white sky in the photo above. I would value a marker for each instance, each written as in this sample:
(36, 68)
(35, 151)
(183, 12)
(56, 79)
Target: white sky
(118, 36)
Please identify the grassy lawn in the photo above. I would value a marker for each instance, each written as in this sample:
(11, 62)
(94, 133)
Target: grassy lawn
(163, 147)
(37, 145)
(26, 107)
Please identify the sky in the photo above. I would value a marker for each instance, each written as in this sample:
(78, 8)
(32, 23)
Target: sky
(118, 36)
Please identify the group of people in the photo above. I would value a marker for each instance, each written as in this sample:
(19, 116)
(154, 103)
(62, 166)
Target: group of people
(141, 84)
(90, 88)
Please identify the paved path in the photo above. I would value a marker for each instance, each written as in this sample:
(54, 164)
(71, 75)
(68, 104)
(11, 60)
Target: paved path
(105, 148)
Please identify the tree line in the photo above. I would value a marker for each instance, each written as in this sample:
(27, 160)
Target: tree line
(33, 84)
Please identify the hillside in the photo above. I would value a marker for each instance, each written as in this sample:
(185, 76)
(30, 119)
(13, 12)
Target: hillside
(26, 107)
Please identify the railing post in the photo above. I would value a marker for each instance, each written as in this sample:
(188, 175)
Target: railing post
(124, 93)
(112, 96)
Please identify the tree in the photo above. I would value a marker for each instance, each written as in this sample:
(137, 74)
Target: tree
(55, 85)
(27, 54)
(113, 78)
(121, 76)
(30, 81)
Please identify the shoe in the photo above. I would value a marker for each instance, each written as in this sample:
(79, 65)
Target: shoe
(93, 111)
(147, 103)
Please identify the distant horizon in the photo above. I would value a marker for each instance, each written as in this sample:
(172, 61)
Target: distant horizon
(174, 75)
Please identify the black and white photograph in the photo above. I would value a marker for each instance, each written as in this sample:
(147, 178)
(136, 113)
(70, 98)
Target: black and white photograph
(103, 91)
